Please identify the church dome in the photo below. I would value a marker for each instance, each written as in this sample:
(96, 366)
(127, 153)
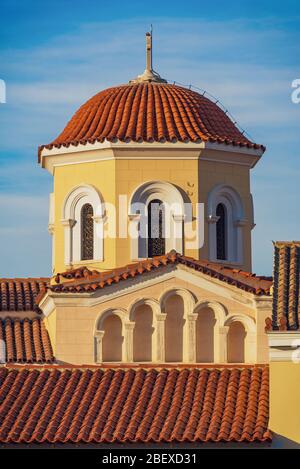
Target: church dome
(150, 112)
(148, 109)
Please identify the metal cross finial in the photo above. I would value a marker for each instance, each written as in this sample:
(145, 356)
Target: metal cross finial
(149, 74)
(149, 51)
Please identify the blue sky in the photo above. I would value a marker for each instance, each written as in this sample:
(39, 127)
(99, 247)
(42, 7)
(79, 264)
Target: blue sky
(56, 54)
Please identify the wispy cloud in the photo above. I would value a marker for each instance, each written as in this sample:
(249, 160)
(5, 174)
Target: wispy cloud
(249, 64)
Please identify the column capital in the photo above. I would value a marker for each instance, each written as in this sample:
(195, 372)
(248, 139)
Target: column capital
(51, 228)
(192, 317)
(161, 316)
(100, 218)
(134, 217)
(223, 329)
(68, 222)
(212, 219)
(178, 218)
(241, 222)
(129, 325)
(99, 334)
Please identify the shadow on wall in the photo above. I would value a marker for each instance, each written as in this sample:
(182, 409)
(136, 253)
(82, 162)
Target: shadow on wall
(280, 442)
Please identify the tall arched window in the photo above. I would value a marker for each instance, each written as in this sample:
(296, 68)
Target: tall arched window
(156, 224)
(87, 232)
(236, 343)
(142, 334)
(174, 325)
(112, 339)
(227, 224)
(221, 232)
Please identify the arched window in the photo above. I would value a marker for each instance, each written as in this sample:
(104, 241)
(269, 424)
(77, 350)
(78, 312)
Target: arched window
(236, 343)
(170, 209)
(221, 232)
(87, 232)
(226, 225)
(205, 332)
(142, 334)
(156, 228)
(174, 308)
(83, 218)
(112, 339)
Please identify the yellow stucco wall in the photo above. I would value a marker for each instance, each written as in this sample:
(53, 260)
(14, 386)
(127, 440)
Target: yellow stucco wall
(130, 174)
(50, 323)
(238, 177)
(100, 174)
(284, 400)
(114, 177)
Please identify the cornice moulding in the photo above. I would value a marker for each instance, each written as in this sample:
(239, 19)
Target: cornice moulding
(205, 151)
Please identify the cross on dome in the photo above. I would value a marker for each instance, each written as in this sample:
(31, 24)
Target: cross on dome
(149, 74)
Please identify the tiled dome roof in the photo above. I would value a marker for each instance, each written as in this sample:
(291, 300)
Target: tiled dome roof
(150, 112)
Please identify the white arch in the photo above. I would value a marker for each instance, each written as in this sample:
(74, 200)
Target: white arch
(71, 220)
(220, 332)
(229, 193)
(174, 210)
(218, 309)
(251, 336)
(79, 192)
(154, 305)
(247, 322)
(99, 332)
(188, 336)
(120, 312)
(186, 295)
(235, 220)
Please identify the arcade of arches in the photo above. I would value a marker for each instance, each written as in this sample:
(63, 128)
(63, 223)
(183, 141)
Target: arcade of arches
(203, 332)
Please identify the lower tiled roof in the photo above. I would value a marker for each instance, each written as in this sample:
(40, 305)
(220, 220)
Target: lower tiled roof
(19, 294)
(83, 280)
(26, 341)
(134, 404)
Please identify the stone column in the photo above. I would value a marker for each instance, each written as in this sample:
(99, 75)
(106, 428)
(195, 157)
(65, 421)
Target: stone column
(51, 231)
(221, 349)
(263, 311)
(160, 338)
(178, 230)
(127, 354)
(240, 224)
(250, 347)
(134, 220)
(189, 346)
(98, 340)
(212, 227)
(68, 225)
(99, 238)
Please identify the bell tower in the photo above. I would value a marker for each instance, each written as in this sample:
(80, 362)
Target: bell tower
(150, 158)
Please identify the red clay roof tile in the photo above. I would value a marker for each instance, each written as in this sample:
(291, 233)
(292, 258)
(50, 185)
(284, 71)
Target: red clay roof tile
(286, 292)
(142, 405)
(82, 280)
(19, 294)
(26, 341)
(150, 112)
